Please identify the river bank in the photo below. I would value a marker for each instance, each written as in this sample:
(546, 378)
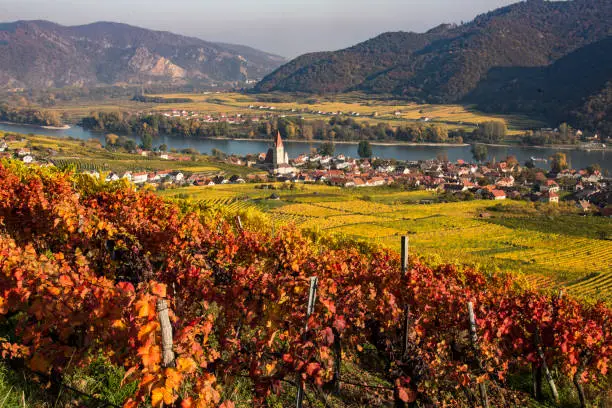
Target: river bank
(64, 127)
(388, 150)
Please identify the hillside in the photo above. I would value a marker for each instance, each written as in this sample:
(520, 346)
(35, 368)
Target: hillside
(552, 90)
(447, 63)
(192, 309)
(41, 54)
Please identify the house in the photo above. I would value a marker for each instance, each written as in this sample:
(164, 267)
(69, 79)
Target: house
(549, 185)
(164, 157)
(498, 194)
(3, 146)
(27, 159)
(505, 182)
(127, 175)
(551, 197)
(23, 152)
(179, 177)
(112, 177)
(139, 178)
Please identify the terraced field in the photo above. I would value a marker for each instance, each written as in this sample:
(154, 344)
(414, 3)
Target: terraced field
(550, 252)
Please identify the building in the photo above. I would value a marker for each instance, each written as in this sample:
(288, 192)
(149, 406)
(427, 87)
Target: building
(498, 194)
(277, 159)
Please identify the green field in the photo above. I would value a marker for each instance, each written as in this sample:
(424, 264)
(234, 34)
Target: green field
(550, 251)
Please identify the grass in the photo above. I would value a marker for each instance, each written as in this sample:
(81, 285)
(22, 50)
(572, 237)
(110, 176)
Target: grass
(89, 155)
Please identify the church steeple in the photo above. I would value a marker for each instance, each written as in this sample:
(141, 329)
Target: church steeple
(278, 142)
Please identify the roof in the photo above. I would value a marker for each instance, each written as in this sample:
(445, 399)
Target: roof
(498, 193)
(278, 142)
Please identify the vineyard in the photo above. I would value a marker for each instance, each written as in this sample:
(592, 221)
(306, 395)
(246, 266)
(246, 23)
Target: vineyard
(191, 305)
(545, 252)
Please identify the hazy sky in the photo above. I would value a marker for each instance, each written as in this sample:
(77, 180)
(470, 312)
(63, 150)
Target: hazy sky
(285, 27)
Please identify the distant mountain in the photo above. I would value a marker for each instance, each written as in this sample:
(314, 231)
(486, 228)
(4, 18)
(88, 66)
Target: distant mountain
(553, 90)
(448, 63)
(41, 54)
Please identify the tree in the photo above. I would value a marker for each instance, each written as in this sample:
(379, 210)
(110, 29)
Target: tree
(593, 168)
(512, 161)
(163, 147)
(480, 152)
(327, 149)
(111, 139)
(558, 162)
(147, 141)
(365, 149)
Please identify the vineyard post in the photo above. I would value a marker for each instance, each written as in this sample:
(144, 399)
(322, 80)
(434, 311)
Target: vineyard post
(312, 295)
(239, 223)
(406, 319)
(166, 332)
(474, 338)
(549, 378)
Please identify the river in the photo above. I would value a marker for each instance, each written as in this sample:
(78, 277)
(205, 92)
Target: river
(577, 158)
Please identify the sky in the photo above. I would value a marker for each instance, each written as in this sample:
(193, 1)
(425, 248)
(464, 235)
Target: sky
(285, 27)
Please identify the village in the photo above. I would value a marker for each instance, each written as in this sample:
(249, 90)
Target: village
(460, 180)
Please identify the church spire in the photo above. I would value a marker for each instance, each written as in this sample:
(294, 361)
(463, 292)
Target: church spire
(278, 142)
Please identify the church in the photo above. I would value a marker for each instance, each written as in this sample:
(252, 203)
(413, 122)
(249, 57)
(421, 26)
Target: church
(277, 159)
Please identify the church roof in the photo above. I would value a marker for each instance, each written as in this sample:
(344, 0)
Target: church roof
(278, 142)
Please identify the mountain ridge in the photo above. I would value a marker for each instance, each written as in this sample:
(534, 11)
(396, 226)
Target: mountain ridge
(40, 53)
(445, 63)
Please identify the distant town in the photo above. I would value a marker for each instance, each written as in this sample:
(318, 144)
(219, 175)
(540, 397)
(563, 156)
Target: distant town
(460, 180)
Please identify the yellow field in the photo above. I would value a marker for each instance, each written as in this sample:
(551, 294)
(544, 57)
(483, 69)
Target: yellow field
(566, 256)
(369, 110)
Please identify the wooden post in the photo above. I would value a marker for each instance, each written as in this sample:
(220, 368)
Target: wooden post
(312, 296)
(166, 332)
(482, 388)
(536, 372)
(404, 255)
(406, 320)
(239, 223)
(549, 378)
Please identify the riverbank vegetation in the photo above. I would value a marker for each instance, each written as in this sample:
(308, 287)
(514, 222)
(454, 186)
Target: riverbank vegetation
(30, 116)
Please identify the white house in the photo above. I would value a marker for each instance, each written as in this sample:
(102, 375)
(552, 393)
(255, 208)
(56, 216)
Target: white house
(28, 159)
(139, 178)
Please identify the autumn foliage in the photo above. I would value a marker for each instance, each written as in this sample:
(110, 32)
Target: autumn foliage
(81, 271)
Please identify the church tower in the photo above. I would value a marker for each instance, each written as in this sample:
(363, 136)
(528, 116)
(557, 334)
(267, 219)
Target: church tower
(279, 156)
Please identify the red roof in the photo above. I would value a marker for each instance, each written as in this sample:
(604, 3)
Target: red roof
(498, 193)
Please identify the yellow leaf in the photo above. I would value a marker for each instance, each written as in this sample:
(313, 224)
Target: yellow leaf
(143, 307)
(147, 328)
(186, 365)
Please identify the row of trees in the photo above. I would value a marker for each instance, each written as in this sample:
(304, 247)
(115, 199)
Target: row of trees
(337, 128)
(30, 116)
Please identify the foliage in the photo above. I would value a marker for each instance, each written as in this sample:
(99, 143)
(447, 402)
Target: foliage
(480, 152)
(364, 149)
(81, 273)
(29, 116)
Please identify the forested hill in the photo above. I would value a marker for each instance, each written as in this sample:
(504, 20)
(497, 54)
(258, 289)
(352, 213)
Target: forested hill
(41, 54)
(448, 62)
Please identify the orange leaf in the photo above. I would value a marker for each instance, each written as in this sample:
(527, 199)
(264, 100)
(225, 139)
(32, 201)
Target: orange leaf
(150, 355)
(65, 280)
(173, 379)
(158, 289)
(187, 403)
(40, 364)
(227, 404)
(147, 328)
